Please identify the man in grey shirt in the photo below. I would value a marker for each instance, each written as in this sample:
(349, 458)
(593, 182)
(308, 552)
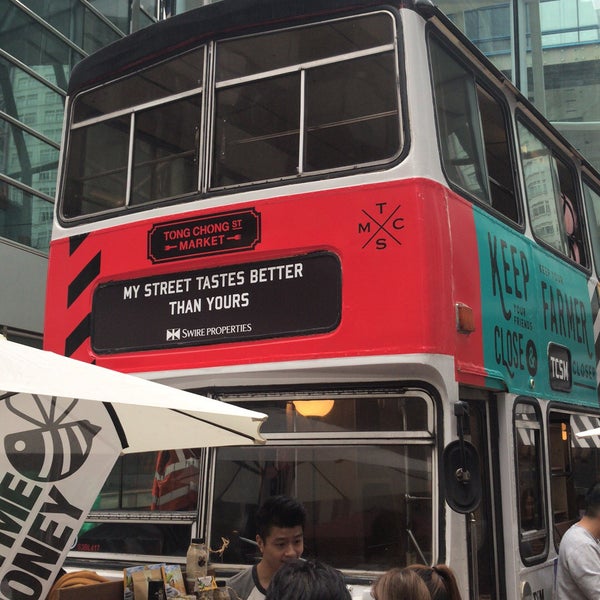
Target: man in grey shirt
(578, 573)
(280, 539)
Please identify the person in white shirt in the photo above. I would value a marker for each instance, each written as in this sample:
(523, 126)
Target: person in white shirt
(578, 571)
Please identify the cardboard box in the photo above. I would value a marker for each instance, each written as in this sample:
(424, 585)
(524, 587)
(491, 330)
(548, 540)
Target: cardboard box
(112, 590)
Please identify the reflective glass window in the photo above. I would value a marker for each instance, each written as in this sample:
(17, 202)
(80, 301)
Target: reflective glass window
(592, 202)
(149, 484)
(263, 53)
(165, 161)
(272, 125)
(30, 101)
(257, 131)
(369, 501)
(96, 177)
(552, 197)
(369, 506)
(180, 74)
(31, 43)
(26, 158)
(75, 21)
(24, 217)
(533, 528)
(473, 132)
(359, 121)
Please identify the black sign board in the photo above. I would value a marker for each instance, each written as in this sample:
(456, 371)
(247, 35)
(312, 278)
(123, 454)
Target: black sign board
(559, 367)
(285, 297)
(201, 236)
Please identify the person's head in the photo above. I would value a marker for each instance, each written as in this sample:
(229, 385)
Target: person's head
(280, 531)
(440, 581)
(307, 580)
(592, 502)
(400, 584)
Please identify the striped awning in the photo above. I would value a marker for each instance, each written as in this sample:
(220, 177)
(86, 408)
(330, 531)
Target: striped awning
(586, 431)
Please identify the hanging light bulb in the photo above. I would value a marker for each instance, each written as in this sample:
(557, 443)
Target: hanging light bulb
(314, 408)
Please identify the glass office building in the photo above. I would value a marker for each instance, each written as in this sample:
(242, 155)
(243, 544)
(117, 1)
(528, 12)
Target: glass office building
(549, 48)
(551, 51)
(40, 42)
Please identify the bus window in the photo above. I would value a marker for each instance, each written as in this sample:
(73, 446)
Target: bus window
(271, 120)
(498, 156)
(552, 197)
(368, 494)
(146, 507)
(165, 161)
(533, 527)
(592, 201)
(569, 484)
(96, 179)
(165, 138)
(473, 132)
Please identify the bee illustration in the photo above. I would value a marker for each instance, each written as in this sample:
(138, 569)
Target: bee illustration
(53, 450)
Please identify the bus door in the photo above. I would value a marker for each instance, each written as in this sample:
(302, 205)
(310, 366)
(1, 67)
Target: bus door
(483, 533)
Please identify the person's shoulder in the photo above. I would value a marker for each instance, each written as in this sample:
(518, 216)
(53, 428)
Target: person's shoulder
(576, 536)
(241, 580)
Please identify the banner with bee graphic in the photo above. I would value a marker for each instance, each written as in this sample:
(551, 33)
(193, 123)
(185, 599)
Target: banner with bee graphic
(57, 453)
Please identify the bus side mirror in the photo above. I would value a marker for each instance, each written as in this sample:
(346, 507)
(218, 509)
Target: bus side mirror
(462, 469)
(462, 476)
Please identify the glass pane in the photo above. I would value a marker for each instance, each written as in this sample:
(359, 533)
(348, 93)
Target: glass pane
(262, 53)
(489, 26)
(592, 201)
(375, 413)
(76, 22)
(27, 159)
(25, 218)
(359, 121)
(364, 503)
(30, 101)
(117, 12)
(28, 41)
(532, 521)
(153, 539)
(459, 128)
(96, 176)
(174, 76)
(165, 150)
(542, 189)
(256, 133)
(498, 156)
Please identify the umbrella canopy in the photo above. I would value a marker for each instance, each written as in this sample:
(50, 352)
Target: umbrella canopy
(151, 416)
(64, 423)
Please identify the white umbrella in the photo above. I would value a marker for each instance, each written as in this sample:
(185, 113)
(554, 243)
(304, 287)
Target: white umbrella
(63, 424)
(153, 416)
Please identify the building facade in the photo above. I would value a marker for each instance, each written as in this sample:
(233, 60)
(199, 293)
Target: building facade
(40, 42)
(549, 48)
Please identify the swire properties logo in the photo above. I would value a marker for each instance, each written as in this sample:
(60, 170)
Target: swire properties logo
(173, 334)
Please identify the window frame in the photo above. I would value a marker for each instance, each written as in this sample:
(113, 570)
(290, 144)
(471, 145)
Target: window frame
(132, 111)
(566, 412)
(207, 126)
(302, 68)
(433, 438)
(481, 80)
(578, 203)
(543, 471)
(587, 181)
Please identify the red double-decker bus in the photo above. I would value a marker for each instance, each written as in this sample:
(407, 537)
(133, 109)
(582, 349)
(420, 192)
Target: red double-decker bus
(338, 213)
